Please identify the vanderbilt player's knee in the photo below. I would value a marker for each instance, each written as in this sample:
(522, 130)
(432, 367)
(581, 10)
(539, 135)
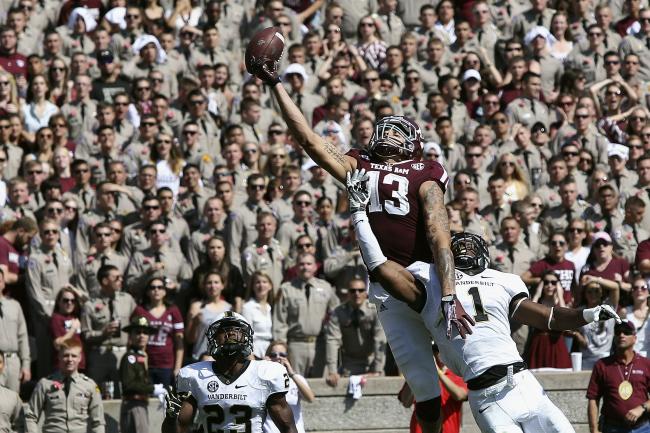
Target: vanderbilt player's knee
(428, 412)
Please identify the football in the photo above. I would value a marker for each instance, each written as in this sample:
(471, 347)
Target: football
(267, 45)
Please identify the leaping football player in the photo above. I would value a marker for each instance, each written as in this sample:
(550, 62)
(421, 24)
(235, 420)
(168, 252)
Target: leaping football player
(231, 393)
(503, 395)
(408, 214)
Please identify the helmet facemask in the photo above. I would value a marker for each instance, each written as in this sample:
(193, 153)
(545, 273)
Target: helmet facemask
(394, 138)
(230, 338)
(470, 252)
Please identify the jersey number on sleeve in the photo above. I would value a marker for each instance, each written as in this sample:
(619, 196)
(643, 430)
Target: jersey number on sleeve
(478, 305)
(216, 417)
(399, 195)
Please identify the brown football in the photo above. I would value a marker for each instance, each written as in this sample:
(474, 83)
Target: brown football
(266, 45)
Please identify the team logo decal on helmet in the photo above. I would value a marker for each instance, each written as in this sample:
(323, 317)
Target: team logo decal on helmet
(470, 252)
(238, 338)
(396, 136)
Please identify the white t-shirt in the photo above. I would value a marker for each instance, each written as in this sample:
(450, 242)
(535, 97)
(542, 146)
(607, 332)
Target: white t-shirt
(293, 400)
(261, 321)
(239, 406)
(579, 259)
(485, 296)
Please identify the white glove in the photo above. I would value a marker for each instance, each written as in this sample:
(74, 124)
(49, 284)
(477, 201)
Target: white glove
(358, 193)
(600, 313)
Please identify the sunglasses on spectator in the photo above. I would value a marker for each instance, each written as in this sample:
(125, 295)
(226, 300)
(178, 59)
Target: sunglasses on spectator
(302, 203)
(546, 282)
(558, 243)
(276, 132)
(55, 210)
(356, 290)
(257, 187)
(156, 287)
(157, 231)
(278, 355)
(104, 234)
(51, 232)
(151, 207)
(303, 246)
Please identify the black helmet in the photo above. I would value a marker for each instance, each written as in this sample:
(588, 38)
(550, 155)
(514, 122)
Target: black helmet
(470, 252)
(238, 344)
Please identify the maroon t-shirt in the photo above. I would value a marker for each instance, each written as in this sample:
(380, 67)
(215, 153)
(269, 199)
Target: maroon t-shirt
(14, 261)
(607, 375)
(15, 64)
(59, 326)
(616, 268)
(565, 271)
(161, 345)
(642, 252)
(394, 211)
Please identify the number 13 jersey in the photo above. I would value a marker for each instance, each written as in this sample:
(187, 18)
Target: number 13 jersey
(239, 406)
(394, 210)
(486, 297)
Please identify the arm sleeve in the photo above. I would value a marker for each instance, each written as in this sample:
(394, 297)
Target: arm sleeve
(96, 411)
(594, 391)
(333, 343)
(280, 326)
(34, 408)
(23, 339)
(276, 377)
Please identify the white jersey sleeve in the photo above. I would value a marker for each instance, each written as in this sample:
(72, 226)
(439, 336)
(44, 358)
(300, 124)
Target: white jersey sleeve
(275, 376)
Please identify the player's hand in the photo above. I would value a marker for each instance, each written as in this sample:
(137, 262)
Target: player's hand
(266, 70)
(358, 193)
(600, 313)
(174, 401)
(455, 315)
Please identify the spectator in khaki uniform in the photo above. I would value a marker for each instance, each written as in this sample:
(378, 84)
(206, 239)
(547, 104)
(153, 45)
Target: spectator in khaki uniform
(265, 253)
(303, 306)
(14, 343)
(49, 401)
(355, 332)
(101, 320)
(300, 223)
(632, 232)
(12, 416)
(49, 269)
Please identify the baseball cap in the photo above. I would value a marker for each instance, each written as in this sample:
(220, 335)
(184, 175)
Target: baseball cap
(626, 327)
(601, 236)
(538, 126)
(615, 149)
(105, 57)
(471, 73)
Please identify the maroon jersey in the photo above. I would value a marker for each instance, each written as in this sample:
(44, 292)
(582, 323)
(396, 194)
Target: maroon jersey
(394, 211)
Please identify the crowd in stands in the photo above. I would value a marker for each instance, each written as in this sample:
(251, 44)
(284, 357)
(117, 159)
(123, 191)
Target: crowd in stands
(144, 172)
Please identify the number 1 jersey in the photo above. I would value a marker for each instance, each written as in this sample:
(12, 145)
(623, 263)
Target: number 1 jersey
(394, 211)
(238, 406)
(486, 297)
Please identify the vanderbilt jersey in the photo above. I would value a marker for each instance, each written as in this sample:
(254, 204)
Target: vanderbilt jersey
(487, 297)
(239, 406)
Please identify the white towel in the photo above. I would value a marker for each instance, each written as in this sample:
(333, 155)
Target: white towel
(355, 386)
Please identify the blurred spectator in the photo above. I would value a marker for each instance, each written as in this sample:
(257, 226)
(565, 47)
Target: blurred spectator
(299, 316)
(637, 312)
(577, 251)
(609, 271)
(265, 254)
(134, 415)
(12, 417)
(102, 318)
(298, 387)
(203, 312)
(67, 383)
(355, 337)
(453, 392)
(165, 346)
(257, 310)
(547, 348)
(594, 340)
(621, 381)
(14, 342)
(65, 324)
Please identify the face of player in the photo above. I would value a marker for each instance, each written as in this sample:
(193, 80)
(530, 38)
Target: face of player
(69, 360)
(230, 334)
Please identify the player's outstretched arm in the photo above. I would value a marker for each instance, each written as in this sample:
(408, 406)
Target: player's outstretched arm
(281, 413)
(559, 318)
(323, 153)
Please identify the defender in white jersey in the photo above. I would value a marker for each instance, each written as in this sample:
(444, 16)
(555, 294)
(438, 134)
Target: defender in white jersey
(232, 393)
(503, 395)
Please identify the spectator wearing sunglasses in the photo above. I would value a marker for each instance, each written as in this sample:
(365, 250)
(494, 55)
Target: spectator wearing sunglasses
(610, 272)
(621, 382)
(65, 324)
(638, 311)
(298, 387)
(354, 333)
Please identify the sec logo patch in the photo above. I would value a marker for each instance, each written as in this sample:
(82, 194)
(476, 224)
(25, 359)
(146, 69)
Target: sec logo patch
(213, 386)
(418, 166)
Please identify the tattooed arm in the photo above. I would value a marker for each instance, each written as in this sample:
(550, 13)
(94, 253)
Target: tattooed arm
(323, 153)
(438, 234)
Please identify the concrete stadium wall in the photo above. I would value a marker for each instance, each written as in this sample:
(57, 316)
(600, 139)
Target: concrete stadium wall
(378, 411)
